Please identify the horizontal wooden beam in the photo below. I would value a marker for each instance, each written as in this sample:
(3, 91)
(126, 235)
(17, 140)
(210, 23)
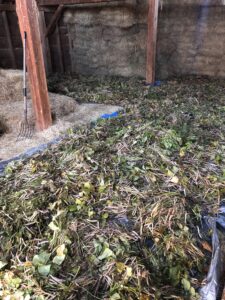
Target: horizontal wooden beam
(58, 2)
(12, 7)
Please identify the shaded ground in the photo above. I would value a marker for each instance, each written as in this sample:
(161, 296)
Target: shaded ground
(115, 211)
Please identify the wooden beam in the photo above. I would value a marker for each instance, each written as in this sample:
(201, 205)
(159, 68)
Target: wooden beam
(117, 3)
(72, 64)
(9, 39)
(43, 3)
(152, 40)
(27, 12)
(54, 20)
(59, 49)
(58, 2)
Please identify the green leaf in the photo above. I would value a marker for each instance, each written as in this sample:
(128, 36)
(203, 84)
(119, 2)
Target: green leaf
(105, 216)
(115, 296)
(174, 273)
(79, 202)
(53, 227)
(61, 254)
(44, 270)
(106, 254)
(129, 272)
(41, 297)
(2, 264)
(88, 188)
(98, 247)
(14, 282)
(61, 250)
(102, 186)
(90, 213)
(186, 284)
(41, 259)
(192, 291)
(58, 260)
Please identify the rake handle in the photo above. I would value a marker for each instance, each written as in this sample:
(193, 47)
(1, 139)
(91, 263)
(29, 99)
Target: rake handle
(24, 75)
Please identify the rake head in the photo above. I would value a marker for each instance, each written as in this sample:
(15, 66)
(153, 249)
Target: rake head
(26, 131)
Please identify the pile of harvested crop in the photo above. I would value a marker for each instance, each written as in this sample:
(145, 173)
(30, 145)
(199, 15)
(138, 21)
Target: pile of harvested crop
(11, 85)
(115, 211)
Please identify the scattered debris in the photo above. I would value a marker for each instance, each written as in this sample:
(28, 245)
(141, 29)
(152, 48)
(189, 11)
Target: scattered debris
(115, 210)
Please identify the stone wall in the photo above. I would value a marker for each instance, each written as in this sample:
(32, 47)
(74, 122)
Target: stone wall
(108, 39)
(191, 40)
(111, 39)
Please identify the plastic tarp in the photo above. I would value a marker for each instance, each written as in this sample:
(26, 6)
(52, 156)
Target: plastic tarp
(215, 279)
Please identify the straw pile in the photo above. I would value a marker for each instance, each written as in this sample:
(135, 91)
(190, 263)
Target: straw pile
(11, 85)
(66, 113)
(12, 93)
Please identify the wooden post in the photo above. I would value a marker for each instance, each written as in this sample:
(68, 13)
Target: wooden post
(152, 40)
(27, 12)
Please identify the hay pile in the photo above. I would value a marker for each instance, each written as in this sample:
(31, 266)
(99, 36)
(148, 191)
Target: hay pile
(11, 85)
(115, 211)
(11, 94)
(66, 113)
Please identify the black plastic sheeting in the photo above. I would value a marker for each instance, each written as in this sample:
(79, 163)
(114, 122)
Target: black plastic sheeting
(29, 153)
(215, 280)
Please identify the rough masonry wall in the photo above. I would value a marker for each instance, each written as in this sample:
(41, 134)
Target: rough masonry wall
(191, 40)
(112, 40)
(108, 40)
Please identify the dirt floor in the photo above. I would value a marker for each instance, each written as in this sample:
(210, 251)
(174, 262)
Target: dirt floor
(66, 113)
